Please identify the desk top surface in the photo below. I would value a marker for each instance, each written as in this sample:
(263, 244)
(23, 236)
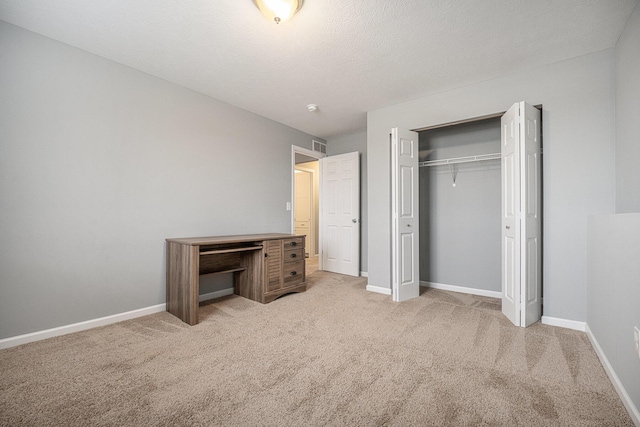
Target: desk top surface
(197, 241)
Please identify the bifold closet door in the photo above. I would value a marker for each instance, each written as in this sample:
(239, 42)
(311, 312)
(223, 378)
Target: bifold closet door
(405, 217)
(521, 215)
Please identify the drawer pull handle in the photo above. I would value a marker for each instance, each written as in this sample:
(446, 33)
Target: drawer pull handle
(293, 243)
(293, 255)
(293, 273)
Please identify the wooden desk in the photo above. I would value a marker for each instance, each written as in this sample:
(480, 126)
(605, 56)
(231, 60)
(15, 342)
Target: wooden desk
(264, 266)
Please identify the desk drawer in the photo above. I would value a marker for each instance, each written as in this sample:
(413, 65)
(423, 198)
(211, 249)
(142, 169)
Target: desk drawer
(293, 273)
(294, 254)
(295, 242)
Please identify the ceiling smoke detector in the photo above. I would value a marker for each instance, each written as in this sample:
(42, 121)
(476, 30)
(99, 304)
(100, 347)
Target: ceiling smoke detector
(312, 108)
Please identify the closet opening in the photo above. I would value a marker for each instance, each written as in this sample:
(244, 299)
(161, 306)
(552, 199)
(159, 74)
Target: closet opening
(460, 196)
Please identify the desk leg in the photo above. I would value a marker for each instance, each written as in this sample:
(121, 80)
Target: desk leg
(248, 283)
(183, 281)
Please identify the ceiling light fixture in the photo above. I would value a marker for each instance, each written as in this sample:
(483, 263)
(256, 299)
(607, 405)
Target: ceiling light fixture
(312, 108)
(278, 10)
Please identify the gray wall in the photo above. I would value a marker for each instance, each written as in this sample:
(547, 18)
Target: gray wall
(628, 116)
(578, 131)
(460, 227)
(349, 144)
(100, 163)
(614, 293)
(613, 300)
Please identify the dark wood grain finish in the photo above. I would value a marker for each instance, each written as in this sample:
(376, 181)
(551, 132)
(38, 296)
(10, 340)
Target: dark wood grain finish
(294, 254)
(249, 283)
(293, 273)
(219, 249)
(295, 242)
(213, 263)
(286, 274)
(201, 241)
(264, 267)
(275, 295)
(183, 285)
(273, 265)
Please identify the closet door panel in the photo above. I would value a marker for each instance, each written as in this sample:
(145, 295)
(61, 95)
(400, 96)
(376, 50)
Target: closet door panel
(510, 216)
(405, 238)
(521, 215)
(531, 215)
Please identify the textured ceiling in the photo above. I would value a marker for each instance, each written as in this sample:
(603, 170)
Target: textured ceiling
(347, 56)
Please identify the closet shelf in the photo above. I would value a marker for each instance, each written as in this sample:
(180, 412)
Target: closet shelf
(455, 160)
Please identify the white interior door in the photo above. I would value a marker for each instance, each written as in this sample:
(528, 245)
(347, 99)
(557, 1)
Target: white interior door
(510, 151)
(521, 215)
(531, 208)
(405, 217)
(340, 213)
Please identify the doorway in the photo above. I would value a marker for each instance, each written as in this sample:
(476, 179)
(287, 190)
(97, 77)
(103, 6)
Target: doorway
(305, 204)
(305, 207)
(335, 225)
(460, 221)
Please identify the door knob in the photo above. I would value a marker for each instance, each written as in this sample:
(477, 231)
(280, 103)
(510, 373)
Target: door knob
(508, 227)
(354, 220)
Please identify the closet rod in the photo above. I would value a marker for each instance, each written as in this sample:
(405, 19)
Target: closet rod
(455, 160)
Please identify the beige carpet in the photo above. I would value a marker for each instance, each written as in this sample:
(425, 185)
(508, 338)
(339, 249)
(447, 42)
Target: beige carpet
(335, 355)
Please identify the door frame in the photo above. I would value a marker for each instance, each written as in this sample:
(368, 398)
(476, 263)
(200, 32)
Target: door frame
(541, 183)
(316, 155)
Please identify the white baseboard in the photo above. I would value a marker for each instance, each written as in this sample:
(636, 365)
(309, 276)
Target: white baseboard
(624, 396)
(364, 273)
(379, 289)
(462, 289)
(547, 320)
(81, 326)
(215, 294)
(564, 323)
